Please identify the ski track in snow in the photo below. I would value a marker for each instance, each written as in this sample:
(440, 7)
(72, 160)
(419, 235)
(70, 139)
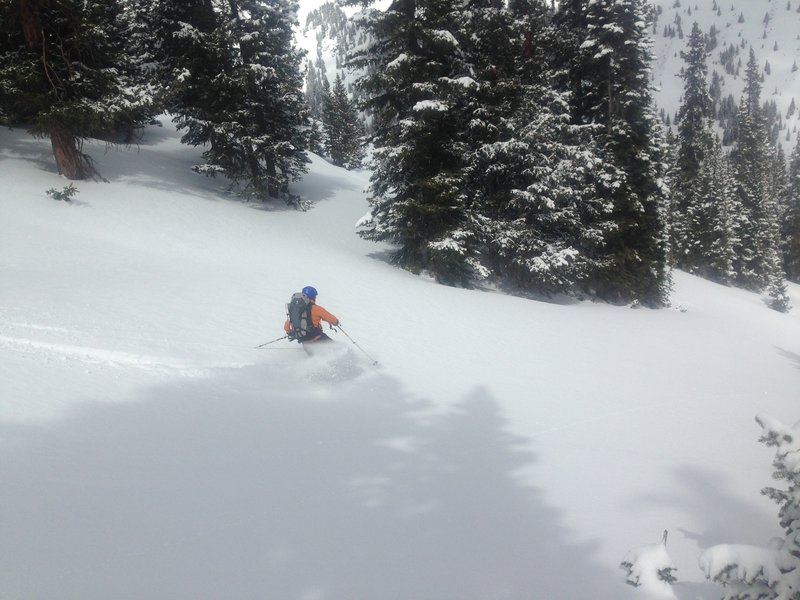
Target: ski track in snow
(322, 365)
(112, 358)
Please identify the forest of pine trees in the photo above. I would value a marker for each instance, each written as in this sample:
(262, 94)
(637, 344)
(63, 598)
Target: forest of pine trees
(513, 143)
(727, 209)
(344, 133)
(226, 71)
(516, 143)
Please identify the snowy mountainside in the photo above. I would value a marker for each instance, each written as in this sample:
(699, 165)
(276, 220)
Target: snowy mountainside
(327, 35)
(506, 448)
(771, 27)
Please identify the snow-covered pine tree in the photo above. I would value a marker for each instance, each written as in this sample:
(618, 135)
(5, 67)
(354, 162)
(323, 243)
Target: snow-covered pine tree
(9, 42)
(702, 202)
(237, 87)
(136, 23)
(317, 86)
(190, 57)
(66, 70)
(791, 221)
(771, 572)
(778, 189)
(694, 144)
(758, 260)
(749, 163)
(344, 135)
(415, 85)
(651, 568)
(493, 158)
(258, 140)
(531, 176)
(711, 218)
(779, 180)
(608, 59)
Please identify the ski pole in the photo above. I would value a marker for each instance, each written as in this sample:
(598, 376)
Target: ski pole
(272, 342)
(374, 362)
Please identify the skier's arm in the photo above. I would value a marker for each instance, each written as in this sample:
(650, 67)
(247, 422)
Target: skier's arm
(317, 313)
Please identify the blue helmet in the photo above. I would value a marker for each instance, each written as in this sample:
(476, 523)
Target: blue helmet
(310, 292)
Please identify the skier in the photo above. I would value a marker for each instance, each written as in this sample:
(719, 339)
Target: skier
(304, 322)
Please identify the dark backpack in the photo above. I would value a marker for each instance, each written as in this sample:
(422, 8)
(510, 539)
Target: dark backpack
(299, 311)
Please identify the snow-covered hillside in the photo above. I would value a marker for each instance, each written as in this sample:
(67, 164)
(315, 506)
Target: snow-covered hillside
(770, 26)
(504, 448)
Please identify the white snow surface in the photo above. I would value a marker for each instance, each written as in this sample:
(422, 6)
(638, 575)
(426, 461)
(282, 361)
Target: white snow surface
(504, 447)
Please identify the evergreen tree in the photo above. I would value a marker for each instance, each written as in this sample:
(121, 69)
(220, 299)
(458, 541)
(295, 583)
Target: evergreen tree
(779, 180)
(317, 86)
(259, 139)
(710, 220)
(487, 97)
(234, 82)
(344, 139)
(137, 25)
(771, 572)
(694, 144)
(9, 41)
(507, 186)
(532, 175)
(778, 189)
(65, 69)
(415, 87)
(702, 203)
(607, 49)
(791, 221)
(189, 53)
(316, 139)
(758, 264)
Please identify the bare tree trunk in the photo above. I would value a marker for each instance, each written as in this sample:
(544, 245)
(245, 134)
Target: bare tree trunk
(272, 189)
(30, 24)
(260, 187)
(71, 162)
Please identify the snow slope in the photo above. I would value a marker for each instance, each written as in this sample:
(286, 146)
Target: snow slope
(505, 448)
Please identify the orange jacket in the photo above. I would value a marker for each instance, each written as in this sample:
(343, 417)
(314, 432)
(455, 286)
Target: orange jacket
(318, 314)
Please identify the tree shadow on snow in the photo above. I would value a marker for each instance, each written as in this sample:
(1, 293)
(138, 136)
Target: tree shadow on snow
(150, 168)
(164, 170)
(318, 187)
(341, 492)
(156, 133)
(388, 256)
(707, 499)
(18, 143)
